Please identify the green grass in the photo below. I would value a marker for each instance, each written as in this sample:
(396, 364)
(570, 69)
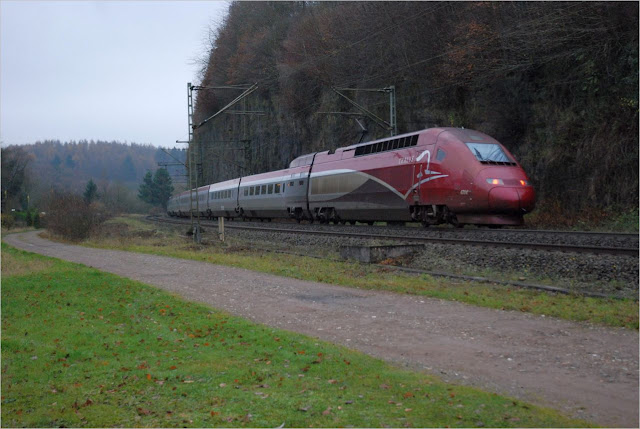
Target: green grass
(610, 312)
(626, 221)
(86, 348)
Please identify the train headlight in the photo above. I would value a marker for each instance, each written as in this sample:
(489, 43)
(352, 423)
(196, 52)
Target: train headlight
(495, 181)
(524, 182)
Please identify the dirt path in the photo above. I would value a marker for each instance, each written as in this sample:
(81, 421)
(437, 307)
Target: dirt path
(585, 371)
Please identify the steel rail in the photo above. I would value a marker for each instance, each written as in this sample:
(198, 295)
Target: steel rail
(625, 251)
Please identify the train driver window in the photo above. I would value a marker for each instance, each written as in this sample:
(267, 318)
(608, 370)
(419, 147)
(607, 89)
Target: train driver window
(441, 155)
(270, 188)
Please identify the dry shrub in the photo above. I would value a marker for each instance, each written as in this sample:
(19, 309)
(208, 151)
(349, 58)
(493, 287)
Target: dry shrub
(8, 221)
(15, 266)
(70, 217)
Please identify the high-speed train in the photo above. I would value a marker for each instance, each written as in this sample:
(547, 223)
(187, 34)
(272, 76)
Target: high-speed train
(433, 176)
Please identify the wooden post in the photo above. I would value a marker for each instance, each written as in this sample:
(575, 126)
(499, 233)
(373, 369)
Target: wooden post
(221, 228)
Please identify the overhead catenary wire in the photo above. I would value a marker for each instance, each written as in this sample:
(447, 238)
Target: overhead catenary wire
(272, 70)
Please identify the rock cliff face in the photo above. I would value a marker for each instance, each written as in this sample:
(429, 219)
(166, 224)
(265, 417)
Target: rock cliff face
(557, 83)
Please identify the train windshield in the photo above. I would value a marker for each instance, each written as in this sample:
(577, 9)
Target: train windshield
(488, 152)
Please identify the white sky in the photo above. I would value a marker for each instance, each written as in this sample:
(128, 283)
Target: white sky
(102, 70)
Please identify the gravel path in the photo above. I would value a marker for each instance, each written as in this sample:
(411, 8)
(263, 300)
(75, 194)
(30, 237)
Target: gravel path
(585, 371)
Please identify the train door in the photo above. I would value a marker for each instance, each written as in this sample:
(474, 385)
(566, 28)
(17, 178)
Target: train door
(421, 173)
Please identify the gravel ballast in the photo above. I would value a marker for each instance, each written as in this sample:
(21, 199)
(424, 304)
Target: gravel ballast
(611, 275)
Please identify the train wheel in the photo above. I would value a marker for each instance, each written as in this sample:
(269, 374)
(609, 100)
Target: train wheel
(352, 222)
(370, 223)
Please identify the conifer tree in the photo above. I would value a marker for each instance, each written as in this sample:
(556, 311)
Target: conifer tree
(145, 191)
(90, 192)
(162, 186)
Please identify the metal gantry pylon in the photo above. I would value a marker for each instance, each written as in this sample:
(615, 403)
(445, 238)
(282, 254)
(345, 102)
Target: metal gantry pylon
(391, 126)
(193, 165)
(193, 170)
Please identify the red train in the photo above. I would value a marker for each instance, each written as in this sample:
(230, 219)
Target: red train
(433, 176)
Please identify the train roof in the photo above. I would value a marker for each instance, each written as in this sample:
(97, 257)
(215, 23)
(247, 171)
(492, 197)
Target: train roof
(463, 134)
(381, 140)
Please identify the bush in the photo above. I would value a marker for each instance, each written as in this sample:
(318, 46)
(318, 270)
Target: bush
(69, 216)
(8, 221)
(35, 219)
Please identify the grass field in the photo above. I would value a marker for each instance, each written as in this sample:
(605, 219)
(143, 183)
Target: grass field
(85, 348)
(137, 236)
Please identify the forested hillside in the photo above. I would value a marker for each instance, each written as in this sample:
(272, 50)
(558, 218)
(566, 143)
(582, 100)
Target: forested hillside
(556, 82)
(68, 166)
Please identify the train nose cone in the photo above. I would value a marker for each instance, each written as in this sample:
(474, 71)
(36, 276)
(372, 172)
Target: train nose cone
(504, 199)
(527, 198)
(512, 199)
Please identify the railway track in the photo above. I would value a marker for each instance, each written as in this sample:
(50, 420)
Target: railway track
(628, 250)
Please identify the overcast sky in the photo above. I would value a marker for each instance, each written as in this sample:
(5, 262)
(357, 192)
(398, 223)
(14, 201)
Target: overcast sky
(102, 70)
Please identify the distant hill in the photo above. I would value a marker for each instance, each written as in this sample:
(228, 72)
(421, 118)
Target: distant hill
(69, 165)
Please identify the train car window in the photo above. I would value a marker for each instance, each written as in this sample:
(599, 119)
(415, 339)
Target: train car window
(251, 190)
(290, 183)
(301, 182)
(257, 190)
(414, 140)
(264, 189)
(246, 192)
(367, 149)
(489, 153)
(270, 189)
(441, 155)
